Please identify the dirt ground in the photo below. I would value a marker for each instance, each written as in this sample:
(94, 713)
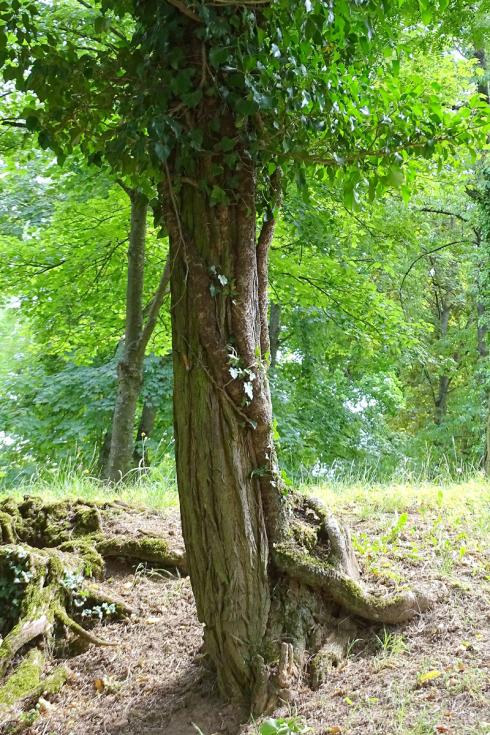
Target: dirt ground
(431, 676)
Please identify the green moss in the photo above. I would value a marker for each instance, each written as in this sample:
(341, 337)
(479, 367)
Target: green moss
(6, 529)
(144, 549)
(53, 683)
(25, 679)
(305, 536)
(87, 520)
(93, 563)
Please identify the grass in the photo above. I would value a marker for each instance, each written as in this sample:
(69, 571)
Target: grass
(155, 489)
(394, 522)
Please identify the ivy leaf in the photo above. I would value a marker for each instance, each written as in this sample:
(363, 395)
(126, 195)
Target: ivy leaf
(162, 151)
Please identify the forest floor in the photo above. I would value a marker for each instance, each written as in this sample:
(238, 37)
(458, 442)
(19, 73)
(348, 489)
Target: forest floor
(431, 676)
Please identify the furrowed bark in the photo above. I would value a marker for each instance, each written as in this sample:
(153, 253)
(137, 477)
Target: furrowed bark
(249, 550)
(221, 435)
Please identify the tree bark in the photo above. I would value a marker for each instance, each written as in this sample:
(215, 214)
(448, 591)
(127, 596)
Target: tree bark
(130, 366)
(223, 424)
(265, 569)
(274, 332)
(145, 430)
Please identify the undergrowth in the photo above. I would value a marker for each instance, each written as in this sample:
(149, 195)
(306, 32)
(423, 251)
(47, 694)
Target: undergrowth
(156, 488)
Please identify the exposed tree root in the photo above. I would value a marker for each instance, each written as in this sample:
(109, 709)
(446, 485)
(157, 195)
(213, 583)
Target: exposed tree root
(319, 603)
(51, 555)
(52, 562)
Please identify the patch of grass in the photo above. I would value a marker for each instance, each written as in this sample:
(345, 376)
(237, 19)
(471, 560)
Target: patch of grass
(154, 489)
(391, 644)
(458, 498)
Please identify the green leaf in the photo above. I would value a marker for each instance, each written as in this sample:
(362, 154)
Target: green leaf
(162, 151)
(395, 176)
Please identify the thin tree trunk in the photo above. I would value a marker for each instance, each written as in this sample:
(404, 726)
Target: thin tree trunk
(444, 380)
(441, 399)
(483, 276)
(140, 324)
(130, 366)
(145, 430)
(482, 331)
(105, 450)
(274, 332)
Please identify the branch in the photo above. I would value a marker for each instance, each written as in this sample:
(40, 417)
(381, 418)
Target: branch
(262, 254)
(127, 190)
(327, 160)
(112, 29)
(428, 253)
(442, 211)
(185, 10)
(329, 296)
(155, 306)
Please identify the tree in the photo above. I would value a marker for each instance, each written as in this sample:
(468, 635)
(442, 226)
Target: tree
(139, 329)
(62, 234)
(220, 103)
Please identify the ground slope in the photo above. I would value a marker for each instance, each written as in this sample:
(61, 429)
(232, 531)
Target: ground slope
(431, 676)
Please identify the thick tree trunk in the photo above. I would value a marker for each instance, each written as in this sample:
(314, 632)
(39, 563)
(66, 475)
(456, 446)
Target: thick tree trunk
(222, 416)
(268, 572)
(130, 367)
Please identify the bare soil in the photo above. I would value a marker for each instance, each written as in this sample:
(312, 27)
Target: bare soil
(431, 676)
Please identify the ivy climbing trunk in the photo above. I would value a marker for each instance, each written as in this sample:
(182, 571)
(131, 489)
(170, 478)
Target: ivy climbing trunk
(274, 577)
(130, 366)
(222, 416)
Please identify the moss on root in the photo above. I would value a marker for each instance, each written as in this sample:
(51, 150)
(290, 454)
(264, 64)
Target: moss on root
(147, 548)
(25, 679)
(50, 555)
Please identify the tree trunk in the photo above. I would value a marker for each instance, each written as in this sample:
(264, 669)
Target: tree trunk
(130, 366)
(441, 399)
(104, 453)
(444, 380)
(145, 430)
(274, 332)
(269, 573)
(222, 418)
(482, 242)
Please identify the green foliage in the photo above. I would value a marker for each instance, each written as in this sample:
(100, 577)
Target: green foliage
(360, 106)
(283, 726)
